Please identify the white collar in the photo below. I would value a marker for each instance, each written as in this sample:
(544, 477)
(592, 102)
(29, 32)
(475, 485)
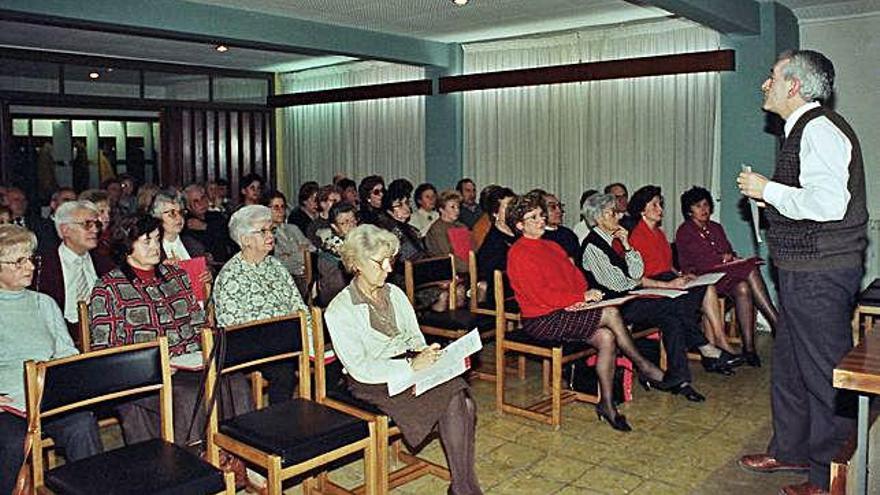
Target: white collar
(796, 115)
(67, 254)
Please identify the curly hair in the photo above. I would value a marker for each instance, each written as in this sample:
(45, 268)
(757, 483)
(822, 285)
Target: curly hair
(125, 232)
(520, 206)
(693, 196)
(640, 199)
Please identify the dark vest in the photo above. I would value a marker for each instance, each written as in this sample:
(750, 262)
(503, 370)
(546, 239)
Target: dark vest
(594, 239)
(804, 245)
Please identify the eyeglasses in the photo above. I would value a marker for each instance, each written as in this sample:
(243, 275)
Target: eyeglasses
(378, 191)
(400, 204)
(390, 260)
(266, 232)
(555, 206)
(173, 213)
(535, 218)
(34, 260)
(90, 224)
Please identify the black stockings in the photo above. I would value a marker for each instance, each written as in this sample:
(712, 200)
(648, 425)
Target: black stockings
(747, 295)
(457, 434)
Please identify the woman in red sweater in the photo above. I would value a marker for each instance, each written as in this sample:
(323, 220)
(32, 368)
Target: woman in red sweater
(552, 294)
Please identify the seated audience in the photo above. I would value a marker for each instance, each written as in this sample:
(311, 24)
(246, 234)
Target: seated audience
(370, 191)
(289, 242)
(649, 239)
(101, 200)
(114, 190)
(492, 255)
(71, 270)
(370, 322)
(703, 247)
(35, 317)
(484, 223)
(394, 218)
(470, 209)
(556, 231)
(138, 301)
(349, 191)
(621, 196)
(254, 285)
(251, 190)
(437, 240)
(611, 264)
(145, 196)
(218, 196)
(426, 211)
(168, 210)
(17, 202)
(127, 204)
(553, 294)
(5, 215)
(206, 227)
(328, 196)
(582, 228)
(59, 197)
(307, 209)
(332, 277)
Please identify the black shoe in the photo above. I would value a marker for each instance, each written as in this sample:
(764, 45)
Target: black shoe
(732, 360)
(752, 359)
(716, 365)
(649, 384)
(618, 422)
(685, 390)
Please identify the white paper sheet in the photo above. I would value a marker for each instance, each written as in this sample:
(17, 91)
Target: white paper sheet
(451, 364)
(705, 279)
(192, 361)
(672, 293)
(753, 206)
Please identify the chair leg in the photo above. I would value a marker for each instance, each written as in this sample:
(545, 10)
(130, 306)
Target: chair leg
(229, 481)
(273, 476)
(499, 377)
(521, 367)
(381, 454)
(556, 418)
(545, 376)
(371, 468)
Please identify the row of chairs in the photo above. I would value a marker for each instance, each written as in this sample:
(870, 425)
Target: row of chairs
(297, 438)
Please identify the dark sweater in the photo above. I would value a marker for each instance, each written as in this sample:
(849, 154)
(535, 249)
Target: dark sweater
(806, 244)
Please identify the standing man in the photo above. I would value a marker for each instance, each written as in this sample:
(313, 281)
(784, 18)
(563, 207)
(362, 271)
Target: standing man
(817, 239)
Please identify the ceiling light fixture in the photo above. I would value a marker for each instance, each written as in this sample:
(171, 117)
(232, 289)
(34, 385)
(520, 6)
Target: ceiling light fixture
(222, 48)
(94, 75)
(460, 2)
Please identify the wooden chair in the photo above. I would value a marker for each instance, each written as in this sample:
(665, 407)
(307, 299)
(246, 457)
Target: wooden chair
(387, 433)
(154, 466)
(438, 272)
(291, 438)
(489, 310)
(310, 274)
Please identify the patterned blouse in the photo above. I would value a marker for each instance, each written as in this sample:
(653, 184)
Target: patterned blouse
(246, 292)
(124, 312)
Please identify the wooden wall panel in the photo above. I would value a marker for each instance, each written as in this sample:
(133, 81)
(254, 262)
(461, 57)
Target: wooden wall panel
(205, 144)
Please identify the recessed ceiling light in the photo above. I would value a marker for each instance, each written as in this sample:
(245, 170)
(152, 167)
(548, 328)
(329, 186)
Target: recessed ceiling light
(460, 2)
(94, 75)
(222, 48)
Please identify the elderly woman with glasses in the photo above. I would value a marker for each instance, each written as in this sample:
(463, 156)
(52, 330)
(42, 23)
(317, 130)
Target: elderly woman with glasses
(31, 328)
(553, 297)
(289, 241)
(139, 301)
(372, 324)
(253, 285)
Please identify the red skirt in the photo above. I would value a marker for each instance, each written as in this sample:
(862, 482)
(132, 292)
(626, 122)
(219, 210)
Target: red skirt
(734, 273)
(564, 326)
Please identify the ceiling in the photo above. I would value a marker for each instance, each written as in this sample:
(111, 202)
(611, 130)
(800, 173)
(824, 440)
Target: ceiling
(437, 20)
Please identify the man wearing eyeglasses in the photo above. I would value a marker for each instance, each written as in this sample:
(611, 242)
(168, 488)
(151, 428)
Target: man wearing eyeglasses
(70, 270)
(555, 231)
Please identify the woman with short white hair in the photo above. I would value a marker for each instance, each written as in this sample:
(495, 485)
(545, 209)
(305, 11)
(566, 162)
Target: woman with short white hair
(372, 325)
(253, 285)
(31, 328)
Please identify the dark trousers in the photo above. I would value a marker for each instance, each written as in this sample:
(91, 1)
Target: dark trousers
(811, 419)
(679, 333)
(76, 434)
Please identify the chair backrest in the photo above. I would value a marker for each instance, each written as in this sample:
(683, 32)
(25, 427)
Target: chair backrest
(473, 279)
(62, 385)
(85, 336)
(428, 272)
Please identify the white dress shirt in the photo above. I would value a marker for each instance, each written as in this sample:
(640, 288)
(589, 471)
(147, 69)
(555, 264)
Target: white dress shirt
(825, 155)
(582, 230)
(609, 275)
(175, 249)
(74, 266)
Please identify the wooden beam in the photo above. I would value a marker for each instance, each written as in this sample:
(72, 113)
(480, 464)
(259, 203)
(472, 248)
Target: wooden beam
(719, 60)
(354, 93)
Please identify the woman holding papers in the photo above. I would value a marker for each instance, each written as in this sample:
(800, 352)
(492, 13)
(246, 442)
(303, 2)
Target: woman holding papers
(703, 247)
(648, 238)
(31, 328)
(554, 300)
(611, 263)
(377, 337)
(139, 301)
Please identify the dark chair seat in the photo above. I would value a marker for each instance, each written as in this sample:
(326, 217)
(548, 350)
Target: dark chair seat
(458, 319)
(568, 348)
(510, 305)
(151, 467)
(345, 397)
(296, 430)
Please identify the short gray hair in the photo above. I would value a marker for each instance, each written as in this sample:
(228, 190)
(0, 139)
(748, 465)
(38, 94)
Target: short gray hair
(367, 242)
(164, 198)
(595, 205)
(64, 213)
(246, 219)
(814, 71)
(13, 237)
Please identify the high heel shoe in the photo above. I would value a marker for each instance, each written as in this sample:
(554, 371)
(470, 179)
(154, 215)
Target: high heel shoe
(732, 360)
(618, 422)
(716, 365)
(648, 384)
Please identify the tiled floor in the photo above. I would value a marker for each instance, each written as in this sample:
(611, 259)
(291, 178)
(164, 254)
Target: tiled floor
(677, 447)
